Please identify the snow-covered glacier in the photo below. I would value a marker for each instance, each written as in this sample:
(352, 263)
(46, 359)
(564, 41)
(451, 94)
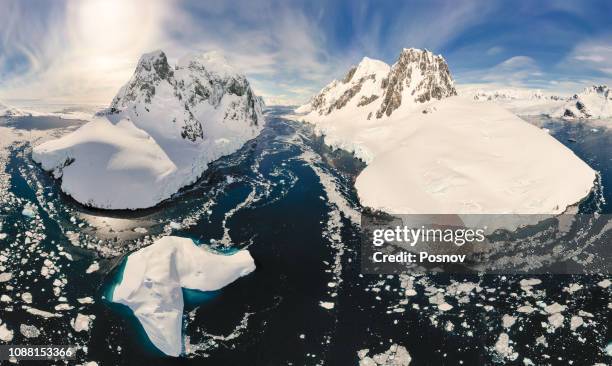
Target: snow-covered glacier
(153, 279)
(159, 134)
(430, 151)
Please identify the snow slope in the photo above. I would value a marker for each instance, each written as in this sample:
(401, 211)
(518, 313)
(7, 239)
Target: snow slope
(195, 113)
(592, 102)
(153, 278)
(450, 154)
(106, 162)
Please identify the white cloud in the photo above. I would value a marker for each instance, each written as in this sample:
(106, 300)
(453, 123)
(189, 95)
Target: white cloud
(77, 50)
(84, 50)
(519, 71)
(492, 51)
(434, 26)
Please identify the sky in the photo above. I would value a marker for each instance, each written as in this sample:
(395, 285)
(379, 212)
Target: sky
(82, 51)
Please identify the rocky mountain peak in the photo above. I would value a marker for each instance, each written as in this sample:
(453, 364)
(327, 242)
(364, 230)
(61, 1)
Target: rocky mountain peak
(198, 83)
(155, 63)
(419, 76)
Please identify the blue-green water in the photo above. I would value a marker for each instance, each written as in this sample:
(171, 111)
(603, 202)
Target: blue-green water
(268, 197)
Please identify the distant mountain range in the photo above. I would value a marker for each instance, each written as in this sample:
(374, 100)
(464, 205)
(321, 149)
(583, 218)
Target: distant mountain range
(594, 102)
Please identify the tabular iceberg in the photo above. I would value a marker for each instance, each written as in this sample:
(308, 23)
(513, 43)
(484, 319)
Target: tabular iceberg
(159, 134)
(153, 278)
(431, 152)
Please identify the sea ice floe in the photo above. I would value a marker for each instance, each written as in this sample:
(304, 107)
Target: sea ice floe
(5, 298)
(508, 321)
(26, 297)
(29, 331)
(527, 309)
(576, 322)
(445, 307)
(504, 349)
(528, 283)
(175, 225)
(85, 300)
(29, 211)
(554, 308)
(63, 306)
(41, 313)
(6, 335)
(396, 355)
(605, 283)
(81, 322)
(92, 268)
(326, 305)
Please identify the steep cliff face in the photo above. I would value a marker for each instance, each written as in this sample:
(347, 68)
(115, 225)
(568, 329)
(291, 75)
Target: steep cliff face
(592, 102)
(417, 77)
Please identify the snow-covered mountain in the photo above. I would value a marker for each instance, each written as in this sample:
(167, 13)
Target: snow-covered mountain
(159, 134)
(377, 90)
(430, 151)
(592, 102)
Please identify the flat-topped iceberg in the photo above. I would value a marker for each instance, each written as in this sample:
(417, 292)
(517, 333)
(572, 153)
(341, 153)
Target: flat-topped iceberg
(159, 134)
(431, 152)
(154, 276)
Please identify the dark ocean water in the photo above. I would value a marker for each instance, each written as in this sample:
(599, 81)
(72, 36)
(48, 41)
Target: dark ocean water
(39, 122)
(268, 197)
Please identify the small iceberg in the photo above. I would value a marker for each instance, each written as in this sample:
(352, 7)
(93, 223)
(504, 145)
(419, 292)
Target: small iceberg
(153, 278)
(28, 211)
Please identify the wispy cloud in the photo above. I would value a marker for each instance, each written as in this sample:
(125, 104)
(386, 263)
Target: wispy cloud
(518, 71)
(495, 50)
(84, 50)
(595, 55)
(74, 50)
